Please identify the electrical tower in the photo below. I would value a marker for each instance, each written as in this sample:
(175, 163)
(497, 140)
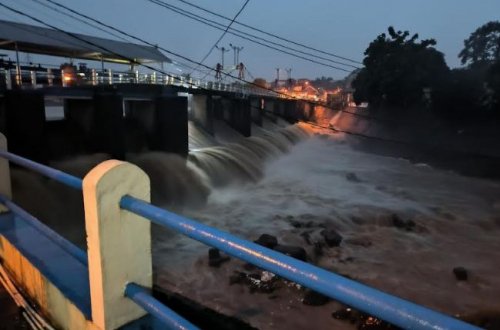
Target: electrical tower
(236, 54)
(222, 50)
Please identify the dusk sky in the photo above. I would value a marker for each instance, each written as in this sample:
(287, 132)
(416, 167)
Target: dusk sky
(342, 27)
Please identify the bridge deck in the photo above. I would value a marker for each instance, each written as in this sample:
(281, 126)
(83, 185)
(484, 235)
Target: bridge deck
(57, 265)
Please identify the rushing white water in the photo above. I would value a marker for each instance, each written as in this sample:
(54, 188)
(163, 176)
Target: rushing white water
(324, 182)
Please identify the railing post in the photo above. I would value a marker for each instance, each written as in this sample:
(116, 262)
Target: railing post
(5, 185)
(33, 78)
(8, 79)
(19, 78)
(94, 77)
(119, 242)
(50, 77)
(110, 76)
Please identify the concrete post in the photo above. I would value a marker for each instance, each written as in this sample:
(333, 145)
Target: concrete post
(50, 77)
(33, 78)
(119, 242)
(94, 77)
(5, 185)
(8, 79)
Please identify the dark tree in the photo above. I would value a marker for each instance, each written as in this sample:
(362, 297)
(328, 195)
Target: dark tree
(397, 70)
(461, 98)
(493, 84)
(483, 45)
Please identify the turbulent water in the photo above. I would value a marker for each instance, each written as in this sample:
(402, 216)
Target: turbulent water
(404, 226)
(323, 182)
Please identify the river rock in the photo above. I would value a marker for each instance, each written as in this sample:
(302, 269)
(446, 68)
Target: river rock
(296, 252)
(399, 223)
(313, 298)
(215, 259)
(331, 236)
(267, 240)
(352, 177)
(345, 314)
(460, 273)
(318, 249)
(306, 235)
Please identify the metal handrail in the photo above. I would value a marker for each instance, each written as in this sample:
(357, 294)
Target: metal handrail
(138, 294)
(60, 176)
(392, 309)
(143, 298)
(111, 77)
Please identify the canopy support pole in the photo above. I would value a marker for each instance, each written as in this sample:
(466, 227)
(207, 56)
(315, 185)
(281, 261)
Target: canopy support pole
(18, 67)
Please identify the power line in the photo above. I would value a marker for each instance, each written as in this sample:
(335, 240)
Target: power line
(79, 20)
(138, 39)
(94, 26)
(153, 45)
(73, 35)
(269, 34)
(253, 38)
(223, 34)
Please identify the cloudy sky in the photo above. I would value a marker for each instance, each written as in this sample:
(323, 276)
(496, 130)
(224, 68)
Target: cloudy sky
(342, 27)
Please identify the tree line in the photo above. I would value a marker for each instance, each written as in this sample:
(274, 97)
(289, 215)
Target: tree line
(402, 73)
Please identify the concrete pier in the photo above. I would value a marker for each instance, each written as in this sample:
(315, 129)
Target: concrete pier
(202, 112)
(171, 125)
(257, 110)
(25, 124)
(108, 125)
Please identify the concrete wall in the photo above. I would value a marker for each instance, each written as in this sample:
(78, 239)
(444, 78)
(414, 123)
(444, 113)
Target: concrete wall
(62, 313)
(171, 125)
(108, 125)
(25, 124)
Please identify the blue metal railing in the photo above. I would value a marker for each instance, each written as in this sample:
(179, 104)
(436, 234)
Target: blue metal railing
(139, 295)
(60, 176)
(392, 309)
(143, 298)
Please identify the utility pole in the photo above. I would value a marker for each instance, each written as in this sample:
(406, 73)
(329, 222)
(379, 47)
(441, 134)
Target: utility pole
(236, 55)
(289, 74)
(222, 50)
